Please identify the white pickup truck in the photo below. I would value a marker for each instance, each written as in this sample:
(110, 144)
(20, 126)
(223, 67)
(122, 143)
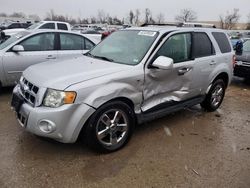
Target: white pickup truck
(40, 25)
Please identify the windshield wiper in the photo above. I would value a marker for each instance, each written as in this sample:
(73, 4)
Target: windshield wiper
(103, 58)
(99, 57)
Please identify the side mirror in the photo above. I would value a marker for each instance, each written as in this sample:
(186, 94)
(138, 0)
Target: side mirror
(164, 63)
(18, 48)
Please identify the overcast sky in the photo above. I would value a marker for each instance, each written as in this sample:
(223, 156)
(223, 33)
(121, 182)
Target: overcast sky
(205, 9)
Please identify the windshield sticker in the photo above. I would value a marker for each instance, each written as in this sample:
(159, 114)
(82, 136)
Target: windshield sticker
(147, 33)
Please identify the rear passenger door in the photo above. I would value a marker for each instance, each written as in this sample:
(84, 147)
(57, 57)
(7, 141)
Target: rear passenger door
(204, 55)
(73, 45)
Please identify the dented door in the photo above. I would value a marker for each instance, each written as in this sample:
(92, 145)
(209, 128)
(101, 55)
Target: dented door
(176, 84)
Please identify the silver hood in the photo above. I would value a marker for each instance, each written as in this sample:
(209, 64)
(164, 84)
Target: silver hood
(62, 74)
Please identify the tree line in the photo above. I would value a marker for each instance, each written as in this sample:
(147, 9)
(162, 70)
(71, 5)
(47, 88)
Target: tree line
(135, 17)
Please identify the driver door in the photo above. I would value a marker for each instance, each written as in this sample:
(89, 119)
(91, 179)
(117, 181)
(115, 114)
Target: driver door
(177, 84)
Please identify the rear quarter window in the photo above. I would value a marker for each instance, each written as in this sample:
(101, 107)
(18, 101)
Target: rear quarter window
(222, 41)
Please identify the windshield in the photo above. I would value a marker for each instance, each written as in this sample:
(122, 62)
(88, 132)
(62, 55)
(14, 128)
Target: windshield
(246, 46)
(125, 47)
(12, 39)
(35, 25)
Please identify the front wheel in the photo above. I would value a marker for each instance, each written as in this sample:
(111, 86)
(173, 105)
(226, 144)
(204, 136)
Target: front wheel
(110, 127)
(215, 96)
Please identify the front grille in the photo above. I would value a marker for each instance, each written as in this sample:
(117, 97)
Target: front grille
(29, 91)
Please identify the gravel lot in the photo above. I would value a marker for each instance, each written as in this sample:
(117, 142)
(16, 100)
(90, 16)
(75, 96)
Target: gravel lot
(190, 148)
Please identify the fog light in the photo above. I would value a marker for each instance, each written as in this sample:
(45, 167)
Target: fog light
(47, 126)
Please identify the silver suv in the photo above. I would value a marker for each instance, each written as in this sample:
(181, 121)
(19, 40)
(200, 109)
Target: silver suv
(133, 76)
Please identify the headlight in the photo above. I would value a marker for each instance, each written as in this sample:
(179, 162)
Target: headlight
(56, 98)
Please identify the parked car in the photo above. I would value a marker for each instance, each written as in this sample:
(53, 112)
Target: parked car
(29, 48)
(242, 66)
(14, 25)
(133, 76)
(55, 25)
(93, 34)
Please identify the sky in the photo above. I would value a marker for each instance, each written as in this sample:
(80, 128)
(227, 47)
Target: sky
(207, 10)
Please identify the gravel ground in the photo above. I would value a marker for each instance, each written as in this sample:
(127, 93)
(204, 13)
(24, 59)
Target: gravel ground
(190, 148)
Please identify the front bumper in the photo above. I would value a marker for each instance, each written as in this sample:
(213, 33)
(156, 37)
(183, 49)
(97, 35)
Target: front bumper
(67, 120)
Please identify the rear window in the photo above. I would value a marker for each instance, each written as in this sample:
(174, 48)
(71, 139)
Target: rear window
(61, 26)
(202, 46)
(222, 41)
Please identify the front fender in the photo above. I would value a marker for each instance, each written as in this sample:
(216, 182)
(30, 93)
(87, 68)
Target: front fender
(111, 91)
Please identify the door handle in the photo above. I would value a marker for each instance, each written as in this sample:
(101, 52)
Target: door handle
(213, 62)
(184, 71)
(51, 57)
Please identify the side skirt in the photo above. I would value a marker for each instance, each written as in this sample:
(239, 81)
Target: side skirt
(163, 110)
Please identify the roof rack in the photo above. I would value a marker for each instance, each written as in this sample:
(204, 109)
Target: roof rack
(194, 24)
(184, 24)
(155, 24)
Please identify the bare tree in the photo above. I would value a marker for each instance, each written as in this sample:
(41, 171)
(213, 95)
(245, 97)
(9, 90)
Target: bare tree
(131, 17)
(186, 15)
(137, 16)
(160, 18)
(230, 20)
(101, 16)
(3, 14)
(147, 15)
(18, 15)
(34, 17)
(248, 22)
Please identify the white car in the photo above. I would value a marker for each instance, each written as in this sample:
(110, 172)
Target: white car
(40, 25)
(28, 48)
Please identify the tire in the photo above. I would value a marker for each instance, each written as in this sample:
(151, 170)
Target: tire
(215, 96)
(114, 123)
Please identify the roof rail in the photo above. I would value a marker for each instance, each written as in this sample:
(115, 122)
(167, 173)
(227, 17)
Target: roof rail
(194, 24)
(156, 24)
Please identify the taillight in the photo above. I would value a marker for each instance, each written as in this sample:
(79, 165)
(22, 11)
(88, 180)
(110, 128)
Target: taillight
(234, 60)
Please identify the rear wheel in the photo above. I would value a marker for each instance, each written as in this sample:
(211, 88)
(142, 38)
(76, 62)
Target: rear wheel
(110, 127)
(215, 96)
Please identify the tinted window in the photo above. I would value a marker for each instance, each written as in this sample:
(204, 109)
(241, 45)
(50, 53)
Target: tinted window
(14, 25)
(202, 46)
(48, 26)
(71, 42)
(88, 44)
(62, 26)
(177, 47)
(222, 41)
(41, 42)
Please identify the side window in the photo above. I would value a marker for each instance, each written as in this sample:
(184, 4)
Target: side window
(61, 26)
(222, 41)
(14, 25)
(40, 42)
(202, 46)
(177, 47)
(88, 44)
(246, 46)
(48, 26)
(71, 42)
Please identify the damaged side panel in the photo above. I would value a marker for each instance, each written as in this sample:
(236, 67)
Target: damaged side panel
(163, 86)
(127, 85)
